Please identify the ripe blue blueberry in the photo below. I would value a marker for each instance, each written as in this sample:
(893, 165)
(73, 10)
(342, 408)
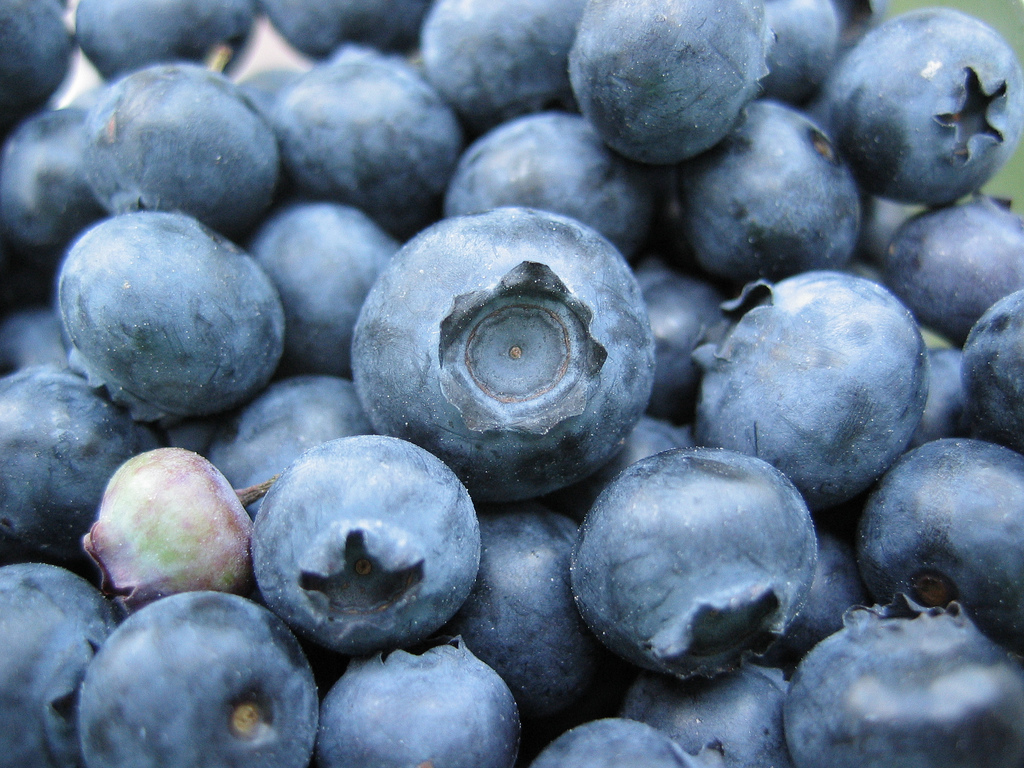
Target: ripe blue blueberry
(60, 441)
(826, 379)
(944, 523)
(118, 36)
(52, 623)
(178, 137)
(899, 686)
(513, 344)
(366, 543)
(172, 318)
(439, 707)
(738, 714)
(772, 199)
(496, 61)
(926, 107)
(691, 559)
(199, 680)
(663, 80)
(368, 131)
(992, 368)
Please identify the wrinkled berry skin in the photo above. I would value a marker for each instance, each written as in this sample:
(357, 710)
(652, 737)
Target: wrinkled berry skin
(944, 524)
(512, 344)
(900, 687)
(926, 107)
(441, 707)
(826, 380)
(173, 319)
(51, 623)
(179, 137)
(663, 80)
(60, 442)
(366, 543)
(199, 680)
(692, 558)
(170, 522)
(992, 369)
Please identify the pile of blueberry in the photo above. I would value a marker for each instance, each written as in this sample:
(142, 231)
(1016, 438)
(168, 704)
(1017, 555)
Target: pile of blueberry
(549, 383)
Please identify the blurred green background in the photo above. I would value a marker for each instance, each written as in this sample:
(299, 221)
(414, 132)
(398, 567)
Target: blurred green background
(1007, 16)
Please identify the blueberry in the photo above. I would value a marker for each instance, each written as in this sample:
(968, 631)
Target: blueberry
(323, 258)
(556, 162)
(943, 524)
(497, 61)
(118, 36)
(366, 543)
(648, 437)
(45, 198)
(951, 264)
(31, 336)
(691, 559)
(318, 27)
(899, 686)
(441, 707)
(926, 107)
(826, 380)
(738, 714)
(170, 522)
(663, 80)
(944, 409)
(992, 368)
(173, 319)
(287, 418)
(53, 622)
(520, 618)
(178, 137)
(35, 56)
(199, 680)
(772, 199)
(836, 588)
(60, 442)
(368, 131)
(513, 344)
(611, 742)
(805, 49)
(683, 308)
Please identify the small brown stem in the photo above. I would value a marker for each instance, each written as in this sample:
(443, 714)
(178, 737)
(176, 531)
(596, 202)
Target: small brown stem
(255, 492)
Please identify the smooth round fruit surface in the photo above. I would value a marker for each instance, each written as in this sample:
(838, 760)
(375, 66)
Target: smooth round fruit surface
(693, 558)
(512, 344)
(172, 318)
(899, 686)
(926, 107)
(366, 543)
(199, 680)
(824, 377)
